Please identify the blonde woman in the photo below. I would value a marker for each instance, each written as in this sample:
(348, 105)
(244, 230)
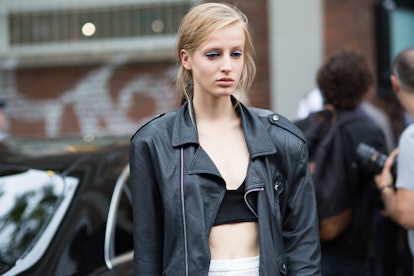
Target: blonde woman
(220, 188)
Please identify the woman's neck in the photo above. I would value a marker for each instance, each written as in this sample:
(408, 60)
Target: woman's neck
(213, 109)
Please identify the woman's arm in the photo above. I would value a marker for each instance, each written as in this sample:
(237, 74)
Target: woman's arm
(300, 226)
(147, 211)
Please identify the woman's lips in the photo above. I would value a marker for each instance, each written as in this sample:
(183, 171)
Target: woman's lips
(225, 82)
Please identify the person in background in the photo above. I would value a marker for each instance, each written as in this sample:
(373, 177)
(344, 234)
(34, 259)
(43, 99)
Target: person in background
(344, 79)
(377, 116)
(220, 188)
(387, 259)
(313, 102)
(399, 199)
(309, 103)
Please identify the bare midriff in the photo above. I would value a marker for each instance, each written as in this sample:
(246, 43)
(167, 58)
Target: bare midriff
(234, 241)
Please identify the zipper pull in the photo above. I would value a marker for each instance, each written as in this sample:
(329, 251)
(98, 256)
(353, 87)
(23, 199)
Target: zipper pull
(277, 185)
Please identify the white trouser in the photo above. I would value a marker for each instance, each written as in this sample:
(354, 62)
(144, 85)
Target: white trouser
(236, 267)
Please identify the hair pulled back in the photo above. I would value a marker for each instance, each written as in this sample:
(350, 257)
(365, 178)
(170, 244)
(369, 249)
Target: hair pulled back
(197, 26)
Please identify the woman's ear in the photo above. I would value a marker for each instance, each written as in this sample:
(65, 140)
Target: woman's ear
(185, 59)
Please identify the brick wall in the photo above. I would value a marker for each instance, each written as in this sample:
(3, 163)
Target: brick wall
(352, 24)
(111, 98)
(117, 96)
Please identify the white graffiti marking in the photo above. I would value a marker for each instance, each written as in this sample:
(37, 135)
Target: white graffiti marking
(91, 101)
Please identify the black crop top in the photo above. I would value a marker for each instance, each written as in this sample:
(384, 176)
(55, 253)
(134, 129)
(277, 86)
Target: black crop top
(233, 208)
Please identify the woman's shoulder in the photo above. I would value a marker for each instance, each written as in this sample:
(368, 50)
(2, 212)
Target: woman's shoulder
(157, 125)
(277, 122)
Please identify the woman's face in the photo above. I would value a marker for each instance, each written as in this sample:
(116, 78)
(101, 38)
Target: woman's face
(217, 64)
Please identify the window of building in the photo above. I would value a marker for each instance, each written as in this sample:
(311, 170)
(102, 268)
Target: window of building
(65, 29)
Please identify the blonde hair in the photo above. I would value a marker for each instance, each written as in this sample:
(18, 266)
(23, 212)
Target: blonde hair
(196, 27)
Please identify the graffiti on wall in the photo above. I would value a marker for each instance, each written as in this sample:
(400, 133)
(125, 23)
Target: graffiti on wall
(94, 85)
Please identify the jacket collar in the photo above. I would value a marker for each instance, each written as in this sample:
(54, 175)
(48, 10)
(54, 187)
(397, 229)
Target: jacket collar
(257, 138)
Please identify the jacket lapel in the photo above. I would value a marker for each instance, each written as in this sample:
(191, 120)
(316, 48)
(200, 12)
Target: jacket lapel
(257, 139)
(184, 134)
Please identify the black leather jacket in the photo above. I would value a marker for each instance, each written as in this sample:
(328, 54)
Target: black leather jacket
(177, 191)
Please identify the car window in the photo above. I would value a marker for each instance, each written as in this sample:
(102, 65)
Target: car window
(33, 203)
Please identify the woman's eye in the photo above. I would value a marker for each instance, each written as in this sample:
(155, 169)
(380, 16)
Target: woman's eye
(212, 54)
(237, 54)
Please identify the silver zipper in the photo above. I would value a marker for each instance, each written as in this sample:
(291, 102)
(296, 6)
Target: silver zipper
(247, 202)
(183, 210)
(277, 185)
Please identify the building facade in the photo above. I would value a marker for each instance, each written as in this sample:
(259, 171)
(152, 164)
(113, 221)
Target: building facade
(100, 67)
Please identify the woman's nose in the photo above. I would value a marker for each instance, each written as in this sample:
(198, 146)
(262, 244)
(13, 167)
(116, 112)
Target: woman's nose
(226, 64)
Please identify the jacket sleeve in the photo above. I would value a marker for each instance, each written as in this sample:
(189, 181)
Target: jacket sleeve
(147, 211)
(300, 223)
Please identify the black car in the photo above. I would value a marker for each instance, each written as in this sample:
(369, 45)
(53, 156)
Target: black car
(66, 208)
